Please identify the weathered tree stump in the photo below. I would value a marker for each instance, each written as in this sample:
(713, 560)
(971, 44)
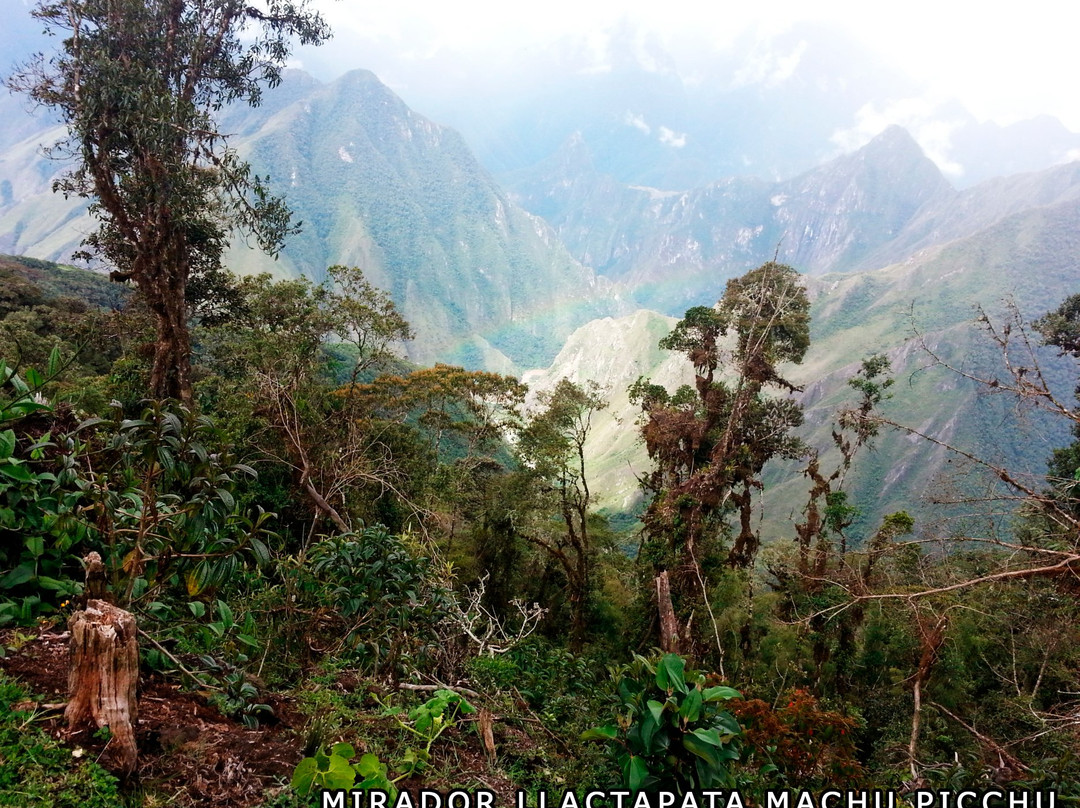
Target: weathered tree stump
(669, 625)
(103, 676)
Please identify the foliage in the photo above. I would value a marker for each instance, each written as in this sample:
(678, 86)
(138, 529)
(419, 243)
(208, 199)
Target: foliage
(800, 745)
(159, 497)
(426, 723)
(274, 381)
(36, 522)
(334, 771)
(384, 603)
(673, 733)
(138, 85)
(39, 770)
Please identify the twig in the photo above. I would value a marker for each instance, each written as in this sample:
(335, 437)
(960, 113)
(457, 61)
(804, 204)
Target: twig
(179, 664)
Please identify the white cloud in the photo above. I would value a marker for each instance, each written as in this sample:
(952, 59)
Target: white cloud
(638, 122)
(766, 66)
(920, 116)
(671, 138)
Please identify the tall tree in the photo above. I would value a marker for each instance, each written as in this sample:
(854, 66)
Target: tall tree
(710, 442)
(138, 83)
(553, 447)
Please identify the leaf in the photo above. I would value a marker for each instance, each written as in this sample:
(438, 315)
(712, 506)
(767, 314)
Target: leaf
(721, 693)
(369, 766)
(649, 727)
(345, 750)
(304, 776)
(7, 443)
(635, 772)
(260, 551)
(670, 673)
(198, 608)
(690, 710)
(35, 545)
(53, 366)
(226, 614)
(17, 472)
(608, 732)
(20, 575)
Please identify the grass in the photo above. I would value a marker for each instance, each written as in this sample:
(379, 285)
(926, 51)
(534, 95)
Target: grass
(35, 769)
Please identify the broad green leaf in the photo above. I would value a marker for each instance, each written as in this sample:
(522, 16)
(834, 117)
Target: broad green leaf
(608, 732)
(344, 750)
(35, 545)
(260, 551)
(16, 471)
(656, 709)
(721, 693)
(198, 608)
(690, 709)
(649, 727)
(370, 766)
(20, 575)
(7, 443)
(670, 673)
(340, 774)
(226, 498)
(52, 584)
(304, 776)
(226, 614)
(635, 772)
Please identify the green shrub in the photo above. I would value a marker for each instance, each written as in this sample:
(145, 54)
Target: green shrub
(672, 732)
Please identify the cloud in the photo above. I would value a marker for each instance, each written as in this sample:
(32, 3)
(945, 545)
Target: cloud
(638, 122)
(766, 66)
(671, 138)
(921, 116)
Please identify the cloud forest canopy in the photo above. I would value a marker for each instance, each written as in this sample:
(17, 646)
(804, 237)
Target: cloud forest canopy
(137, 84)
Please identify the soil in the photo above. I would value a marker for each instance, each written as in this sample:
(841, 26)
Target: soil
(187, 748)
(199, 757)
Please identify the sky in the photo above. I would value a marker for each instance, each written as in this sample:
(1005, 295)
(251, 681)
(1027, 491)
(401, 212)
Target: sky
(1004, 65)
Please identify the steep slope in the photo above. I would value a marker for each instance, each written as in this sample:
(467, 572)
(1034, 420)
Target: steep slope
(614, 353)
(379, 186)
(677, 249)
(1027, 257)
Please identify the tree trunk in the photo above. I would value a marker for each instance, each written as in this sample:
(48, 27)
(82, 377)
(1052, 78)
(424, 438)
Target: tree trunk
(669, 626)
(104, 673)
(170, 376)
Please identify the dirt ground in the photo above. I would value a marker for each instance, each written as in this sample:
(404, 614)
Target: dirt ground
(187, 748)
(194, 755)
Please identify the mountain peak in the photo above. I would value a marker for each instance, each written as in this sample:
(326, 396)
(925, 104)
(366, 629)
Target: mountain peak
(894, 139)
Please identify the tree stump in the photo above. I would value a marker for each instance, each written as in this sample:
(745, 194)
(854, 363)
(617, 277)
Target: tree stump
(103, 676)
(669, 625)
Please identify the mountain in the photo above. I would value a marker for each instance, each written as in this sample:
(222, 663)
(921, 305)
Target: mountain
(1026, 258)
(379, 186)
(676, 249)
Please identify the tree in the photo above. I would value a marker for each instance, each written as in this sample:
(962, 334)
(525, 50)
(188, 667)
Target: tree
(138, 82)
(553, 447)
(710, 442)
(274, 364)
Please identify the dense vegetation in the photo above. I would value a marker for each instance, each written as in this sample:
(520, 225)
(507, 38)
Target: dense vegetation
(405, 554)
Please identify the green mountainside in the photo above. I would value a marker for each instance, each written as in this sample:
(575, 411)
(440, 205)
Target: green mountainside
(1026, 258)
(376, 185)
(862, 211)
